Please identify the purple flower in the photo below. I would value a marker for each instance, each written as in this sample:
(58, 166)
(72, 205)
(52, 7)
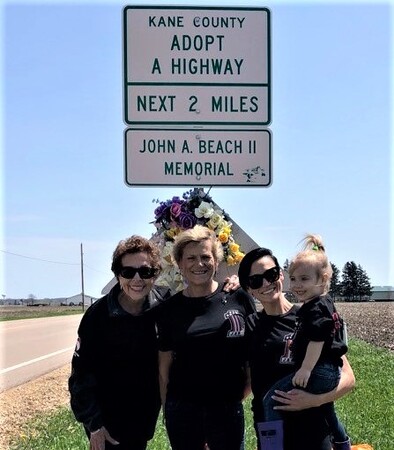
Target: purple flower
(186, 220)
(161, 210)
(176, 209)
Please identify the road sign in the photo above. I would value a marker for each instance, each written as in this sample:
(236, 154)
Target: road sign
(189, 157)
(196, 65)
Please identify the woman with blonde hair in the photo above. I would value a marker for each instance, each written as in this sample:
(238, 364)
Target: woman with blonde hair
(202, 359)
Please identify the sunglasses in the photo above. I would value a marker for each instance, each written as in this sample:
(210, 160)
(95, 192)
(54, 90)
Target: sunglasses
(271, 275)
(144, 272)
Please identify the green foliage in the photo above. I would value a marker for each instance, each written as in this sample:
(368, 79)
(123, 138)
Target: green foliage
(367, 412)
(56, 431)
(335, 285)
(364, 285)
(36, 312)
(160, 440)
(355, 282)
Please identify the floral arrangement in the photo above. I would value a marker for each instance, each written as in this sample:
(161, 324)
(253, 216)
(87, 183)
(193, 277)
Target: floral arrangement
(181, 213)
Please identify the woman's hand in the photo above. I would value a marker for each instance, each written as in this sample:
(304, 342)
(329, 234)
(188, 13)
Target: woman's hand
(296, 400)
(231, 283)
(98, 438)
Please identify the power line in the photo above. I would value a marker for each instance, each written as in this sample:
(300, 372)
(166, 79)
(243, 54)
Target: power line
(40, 259)
(49, 261)
(91, 268)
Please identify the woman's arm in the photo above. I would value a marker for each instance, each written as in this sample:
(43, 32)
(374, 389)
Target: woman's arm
(296, 400)
(248, 383)
(82, 383)
(165, 361)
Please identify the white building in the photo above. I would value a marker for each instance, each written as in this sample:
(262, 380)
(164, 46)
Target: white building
(76, 300)
(382, 293)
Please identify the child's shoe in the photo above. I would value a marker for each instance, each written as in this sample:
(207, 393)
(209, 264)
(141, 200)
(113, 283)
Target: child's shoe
(342, 445)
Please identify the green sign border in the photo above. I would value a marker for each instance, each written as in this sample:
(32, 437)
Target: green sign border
(126, 84)
(194, 183)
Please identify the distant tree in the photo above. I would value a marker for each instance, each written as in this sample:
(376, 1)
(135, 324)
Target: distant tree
(349, 281)
(364, 288)
(335, 286)
(355, 282)
(31, 298)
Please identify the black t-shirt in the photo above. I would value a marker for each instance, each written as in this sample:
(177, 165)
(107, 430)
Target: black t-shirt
(207, 338)
(270, 358)
(114, 380)
(318, 320)
(269, 348)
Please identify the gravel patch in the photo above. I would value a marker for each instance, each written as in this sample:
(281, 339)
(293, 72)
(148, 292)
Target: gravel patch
(22, 403)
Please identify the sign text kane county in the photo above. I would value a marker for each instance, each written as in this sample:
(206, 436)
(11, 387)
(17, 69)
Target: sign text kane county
(196, 65)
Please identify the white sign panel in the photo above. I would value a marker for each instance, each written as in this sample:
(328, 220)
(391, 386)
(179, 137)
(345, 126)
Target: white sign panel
(186, 157)
(191, 65)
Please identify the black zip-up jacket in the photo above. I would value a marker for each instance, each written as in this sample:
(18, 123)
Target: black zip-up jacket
(114, 378)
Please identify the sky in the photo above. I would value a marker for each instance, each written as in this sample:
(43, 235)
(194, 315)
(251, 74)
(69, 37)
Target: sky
(62, 142)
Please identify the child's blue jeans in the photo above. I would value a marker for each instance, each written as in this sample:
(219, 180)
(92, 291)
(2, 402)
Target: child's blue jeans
(324, 378)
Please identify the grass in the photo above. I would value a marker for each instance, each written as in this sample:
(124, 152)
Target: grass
(36, 312)
(367, 413)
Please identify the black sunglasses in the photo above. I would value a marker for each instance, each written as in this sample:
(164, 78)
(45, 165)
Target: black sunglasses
(271, 275)
(144, 272)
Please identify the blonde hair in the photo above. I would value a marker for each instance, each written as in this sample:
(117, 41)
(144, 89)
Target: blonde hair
(198, 233)
(314, 255)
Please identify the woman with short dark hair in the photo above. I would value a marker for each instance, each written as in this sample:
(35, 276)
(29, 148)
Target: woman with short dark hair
(114, 381)
(270, 333)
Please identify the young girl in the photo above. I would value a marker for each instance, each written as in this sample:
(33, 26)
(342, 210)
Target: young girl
(317, 346)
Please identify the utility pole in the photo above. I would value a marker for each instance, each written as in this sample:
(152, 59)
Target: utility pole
(83, 288)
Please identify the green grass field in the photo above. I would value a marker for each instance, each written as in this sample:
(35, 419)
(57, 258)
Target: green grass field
(36, 312)
(367, 412)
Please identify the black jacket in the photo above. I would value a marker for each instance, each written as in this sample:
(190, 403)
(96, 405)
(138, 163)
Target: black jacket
(114, 378)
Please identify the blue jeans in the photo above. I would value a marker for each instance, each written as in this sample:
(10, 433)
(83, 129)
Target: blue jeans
(190, 426)
(324, 378)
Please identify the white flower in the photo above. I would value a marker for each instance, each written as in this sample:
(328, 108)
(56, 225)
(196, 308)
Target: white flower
(168, 224)
(215, 220)
(171, 277)
(204, 210)
(166, 252)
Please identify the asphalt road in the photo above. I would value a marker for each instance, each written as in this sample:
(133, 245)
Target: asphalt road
(33, 347)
